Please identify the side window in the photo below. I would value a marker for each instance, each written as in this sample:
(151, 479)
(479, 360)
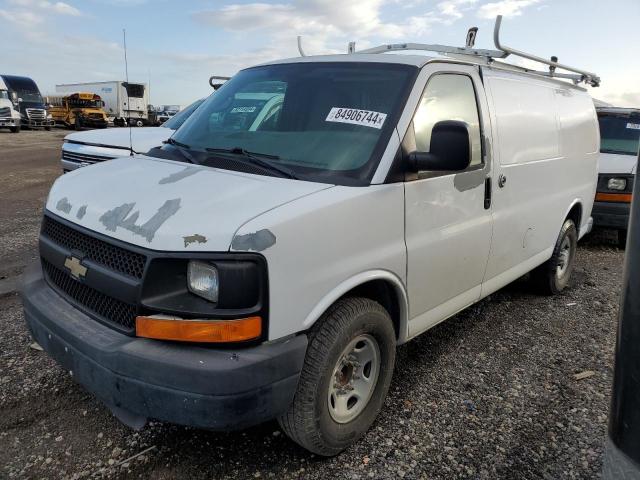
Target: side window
(448, 97)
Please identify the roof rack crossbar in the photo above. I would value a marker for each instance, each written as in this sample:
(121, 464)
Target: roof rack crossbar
(587, 77)
(502, 51)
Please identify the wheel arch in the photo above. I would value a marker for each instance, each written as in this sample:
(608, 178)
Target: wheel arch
(380, 285)
(575, 213)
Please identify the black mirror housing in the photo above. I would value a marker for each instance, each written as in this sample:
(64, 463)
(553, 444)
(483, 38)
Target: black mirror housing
(450, 149)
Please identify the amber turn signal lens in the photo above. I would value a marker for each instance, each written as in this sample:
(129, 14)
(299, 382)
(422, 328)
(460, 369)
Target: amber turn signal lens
(613, 197)
(205, 331)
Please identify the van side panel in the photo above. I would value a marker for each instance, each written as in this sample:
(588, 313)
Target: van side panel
(545, 144)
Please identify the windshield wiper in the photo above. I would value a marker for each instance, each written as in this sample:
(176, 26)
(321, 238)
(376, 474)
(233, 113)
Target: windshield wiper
(260, 159)
(183, 148)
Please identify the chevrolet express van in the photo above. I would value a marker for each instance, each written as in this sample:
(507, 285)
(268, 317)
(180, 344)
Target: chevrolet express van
(308, 218)
(619, 143)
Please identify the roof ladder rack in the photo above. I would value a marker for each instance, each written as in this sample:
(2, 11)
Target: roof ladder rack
(502, 51)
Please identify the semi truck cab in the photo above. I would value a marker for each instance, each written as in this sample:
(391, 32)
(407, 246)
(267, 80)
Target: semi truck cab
(26, 95)
(9, 115)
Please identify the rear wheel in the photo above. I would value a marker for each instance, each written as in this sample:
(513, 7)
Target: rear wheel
(553, 276)
(622, 239)
(345, 377)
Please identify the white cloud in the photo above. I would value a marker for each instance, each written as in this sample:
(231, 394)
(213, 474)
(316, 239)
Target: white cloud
(507, 8)
(28, 13)
(454, 9)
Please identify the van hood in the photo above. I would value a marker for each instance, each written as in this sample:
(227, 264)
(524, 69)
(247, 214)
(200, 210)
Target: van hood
(143, 139)
(617, 163)
(167, 205)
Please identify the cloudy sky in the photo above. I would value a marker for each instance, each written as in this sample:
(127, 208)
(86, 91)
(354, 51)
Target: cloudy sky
(177, 45)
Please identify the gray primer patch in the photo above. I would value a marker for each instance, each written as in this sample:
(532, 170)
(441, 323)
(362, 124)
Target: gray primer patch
(468, 180)
(258, 241)
(119, 217)
(196, 237)
(81, 212)
(63, 205)
(184, 173)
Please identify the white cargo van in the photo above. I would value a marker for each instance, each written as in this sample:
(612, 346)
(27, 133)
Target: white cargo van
(308, 218)
(619, 142)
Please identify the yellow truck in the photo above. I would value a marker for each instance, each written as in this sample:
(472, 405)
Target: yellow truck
(78, 110)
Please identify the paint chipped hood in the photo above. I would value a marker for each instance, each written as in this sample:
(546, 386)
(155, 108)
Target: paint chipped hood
(167, 205)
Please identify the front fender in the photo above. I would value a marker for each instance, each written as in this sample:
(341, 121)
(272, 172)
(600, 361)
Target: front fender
(360, 279)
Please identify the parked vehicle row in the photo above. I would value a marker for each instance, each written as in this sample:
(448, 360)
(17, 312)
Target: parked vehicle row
(303, 221)
(27, 100)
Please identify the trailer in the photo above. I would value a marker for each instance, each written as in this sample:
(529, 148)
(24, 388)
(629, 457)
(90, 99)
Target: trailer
(125, 102)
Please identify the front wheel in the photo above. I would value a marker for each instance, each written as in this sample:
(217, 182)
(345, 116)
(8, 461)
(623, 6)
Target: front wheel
(553, 276)
(345, 377)
(15, 129)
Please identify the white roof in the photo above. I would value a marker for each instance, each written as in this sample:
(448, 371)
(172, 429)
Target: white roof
(415, 60)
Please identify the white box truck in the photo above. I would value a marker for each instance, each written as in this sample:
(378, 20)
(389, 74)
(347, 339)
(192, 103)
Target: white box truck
(123, 101)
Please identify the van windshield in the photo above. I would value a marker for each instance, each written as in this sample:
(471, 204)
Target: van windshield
(619, 133)
(326, 122)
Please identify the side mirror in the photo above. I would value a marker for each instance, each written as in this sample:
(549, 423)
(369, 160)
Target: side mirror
(450, 149)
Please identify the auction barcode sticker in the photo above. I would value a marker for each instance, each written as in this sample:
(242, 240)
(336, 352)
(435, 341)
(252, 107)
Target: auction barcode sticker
(633, 126)
(366, 118)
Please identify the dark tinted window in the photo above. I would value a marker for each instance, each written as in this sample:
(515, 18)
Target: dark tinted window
(619, 133)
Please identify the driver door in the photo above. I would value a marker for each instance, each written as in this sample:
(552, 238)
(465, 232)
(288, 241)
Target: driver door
(448, 214)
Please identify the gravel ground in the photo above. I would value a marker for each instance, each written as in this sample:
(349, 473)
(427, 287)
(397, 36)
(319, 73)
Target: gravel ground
(491, 393)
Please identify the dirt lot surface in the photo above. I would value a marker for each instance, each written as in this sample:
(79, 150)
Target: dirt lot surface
(491, 393)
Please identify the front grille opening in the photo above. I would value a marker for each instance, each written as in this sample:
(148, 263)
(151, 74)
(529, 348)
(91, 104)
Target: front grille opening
(121, 314)
(83, 157)
(111, 256)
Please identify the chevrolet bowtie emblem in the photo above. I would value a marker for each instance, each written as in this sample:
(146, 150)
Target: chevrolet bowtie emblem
(76, 269)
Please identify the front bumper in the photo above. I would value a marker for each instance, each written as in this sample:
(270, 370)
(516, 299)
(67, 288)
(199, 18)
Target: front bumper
(30, 122)
(199, 386)
(94, 122)
(611, 214)
(9, 122)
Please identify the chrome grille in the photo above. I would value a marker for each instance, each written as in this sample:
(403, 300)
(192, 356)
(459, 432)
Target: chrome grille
(83, 157)
(36, 114)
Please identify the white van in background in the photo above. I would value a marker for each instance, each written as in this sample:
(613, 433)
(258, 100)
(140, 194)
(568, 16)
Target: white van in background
(309, 217)
(81, 149)
(619, 144)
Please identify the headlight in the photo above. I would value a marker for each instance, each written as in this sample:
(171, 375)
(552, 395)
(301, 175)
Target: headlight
(617, 184)
(202, 280)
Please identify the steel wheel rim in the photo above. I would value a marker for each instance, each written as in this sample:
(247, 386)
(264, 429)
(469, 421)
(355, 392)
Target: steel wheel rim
(354, 378)
(564, 257)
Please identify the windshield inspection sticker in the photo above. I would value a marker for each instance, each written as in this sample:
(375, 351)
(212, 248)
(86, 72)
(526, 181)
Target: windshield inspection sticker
(633, 126)
(243, 109)
(366, 118)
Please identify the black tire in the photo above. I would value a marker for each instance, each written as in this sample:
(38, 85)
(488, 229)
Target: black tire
(78, 123)
(549, 278)
(622, 239)
(15, 129)
(308, 421)
(48, 128)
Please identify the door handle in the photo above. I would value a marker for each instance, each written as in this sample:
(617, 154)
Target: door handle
(502, 180)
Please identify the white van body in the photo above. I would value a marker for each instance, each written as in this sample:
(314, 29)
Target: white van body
(541, 134)
(423, 246)
(114, 95)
